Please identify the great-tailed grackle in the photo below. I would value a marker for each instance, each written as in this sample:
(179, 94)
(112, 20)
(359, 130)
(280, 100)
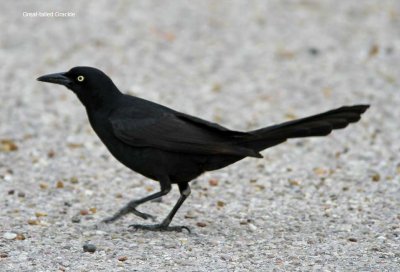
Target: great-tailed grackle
(173, 147)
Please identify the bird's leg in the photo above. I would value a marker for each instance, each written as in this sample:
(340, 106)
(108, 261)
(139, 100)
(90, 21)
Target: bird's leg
(184, 189)
(131, 206)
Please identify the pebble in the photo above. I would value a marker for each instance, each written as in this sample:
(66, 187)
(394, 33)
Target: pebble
(60, 184)
(93, 210)
(252, 227)
(21, 194)
(84, 212)
(75, 219)
(213, 182)
(122, 258)
(245, 221)
(74, 180)
(33, 222)
(20, 237)
(9, 235)
(294, 182)
(376, 177)
(51, 153)
(7, 177)
(89, 248)
(190, 214)
(40, 214)
(100, 232)
(201, 224)
(8, 145)
(313, 51)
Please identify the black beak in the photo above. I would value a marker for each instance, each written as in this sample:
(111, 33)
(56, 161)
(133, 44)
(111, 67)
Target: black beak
(57, 78)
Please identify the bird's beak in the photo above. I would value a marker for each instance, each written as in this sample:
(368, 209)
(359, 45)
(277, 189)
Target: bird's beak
(57, 78)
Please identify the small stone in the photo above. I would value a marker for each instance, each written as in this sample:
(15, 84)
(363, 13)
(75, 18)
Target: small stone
(73, 180)
(75, 145)
(8, 145)
(213, 182)
(21, 194)
(75, 219)
(100, 232)
(60, 184)
(149, 189)
(373, 51)
(3, 255)
(7, 177)
(294, 182)
(93, 210)
(376, 177)
(84, 212)
(216, 88)
(33, 222)
(40, 214)
(290, 116)
(260, 187)
(11, 192)
(252, 227)
(51, 153)
(122, 258)
(245, 222)
(313, 51)
(118, 195)
(353, 240)
(220, 203)
(20, 237)
(190, 214)
(43, 186)
(201, 224)
(89, 248)
(320, 171)
(9, 235)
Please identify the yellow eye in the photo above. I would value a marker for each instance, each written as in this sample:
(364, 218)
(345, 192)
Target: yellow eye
(80, 78)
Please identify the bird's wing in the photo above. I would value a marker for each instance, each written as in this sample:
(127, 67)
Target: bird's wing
(177, 132)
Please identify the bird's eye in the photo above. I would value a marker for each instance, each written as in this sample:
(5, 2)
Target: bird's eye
(80, 78)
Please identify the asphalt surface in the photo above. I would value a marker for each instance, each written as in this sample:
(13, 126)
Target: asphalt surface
(326, 204)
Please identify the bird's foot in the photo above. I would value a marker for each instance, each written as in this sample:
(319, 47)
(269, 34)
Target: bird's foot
(126, 210)
(144, 215)
(160, 227)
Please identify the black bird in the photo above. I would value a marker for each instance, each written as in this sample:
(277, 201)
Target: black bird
(172, 147)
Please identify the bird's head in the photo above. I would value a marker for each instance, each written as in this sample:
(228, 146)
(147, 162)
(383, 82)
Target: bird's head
(91, 85)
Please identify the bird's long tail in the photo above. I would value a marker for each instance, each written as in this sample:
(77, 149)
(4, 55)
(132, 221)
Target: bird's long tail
(317, 125)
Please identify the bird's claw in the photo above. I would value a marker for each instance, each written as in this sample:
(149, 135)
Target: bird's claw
(160, 227)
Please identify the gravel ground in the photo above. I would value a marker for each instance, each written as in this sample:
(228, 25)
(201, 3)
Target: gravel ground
(328, 204)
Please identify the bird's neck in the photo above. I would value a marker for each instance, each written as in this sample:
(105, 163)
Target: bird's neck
(100, 101)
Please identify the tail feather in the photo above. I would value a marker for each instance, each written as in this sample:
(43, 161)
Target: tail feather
(317, 125)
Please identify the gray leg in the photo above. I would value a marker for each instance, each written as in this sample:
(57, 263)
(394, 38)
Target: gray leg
(184, 189)
(131, 206)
